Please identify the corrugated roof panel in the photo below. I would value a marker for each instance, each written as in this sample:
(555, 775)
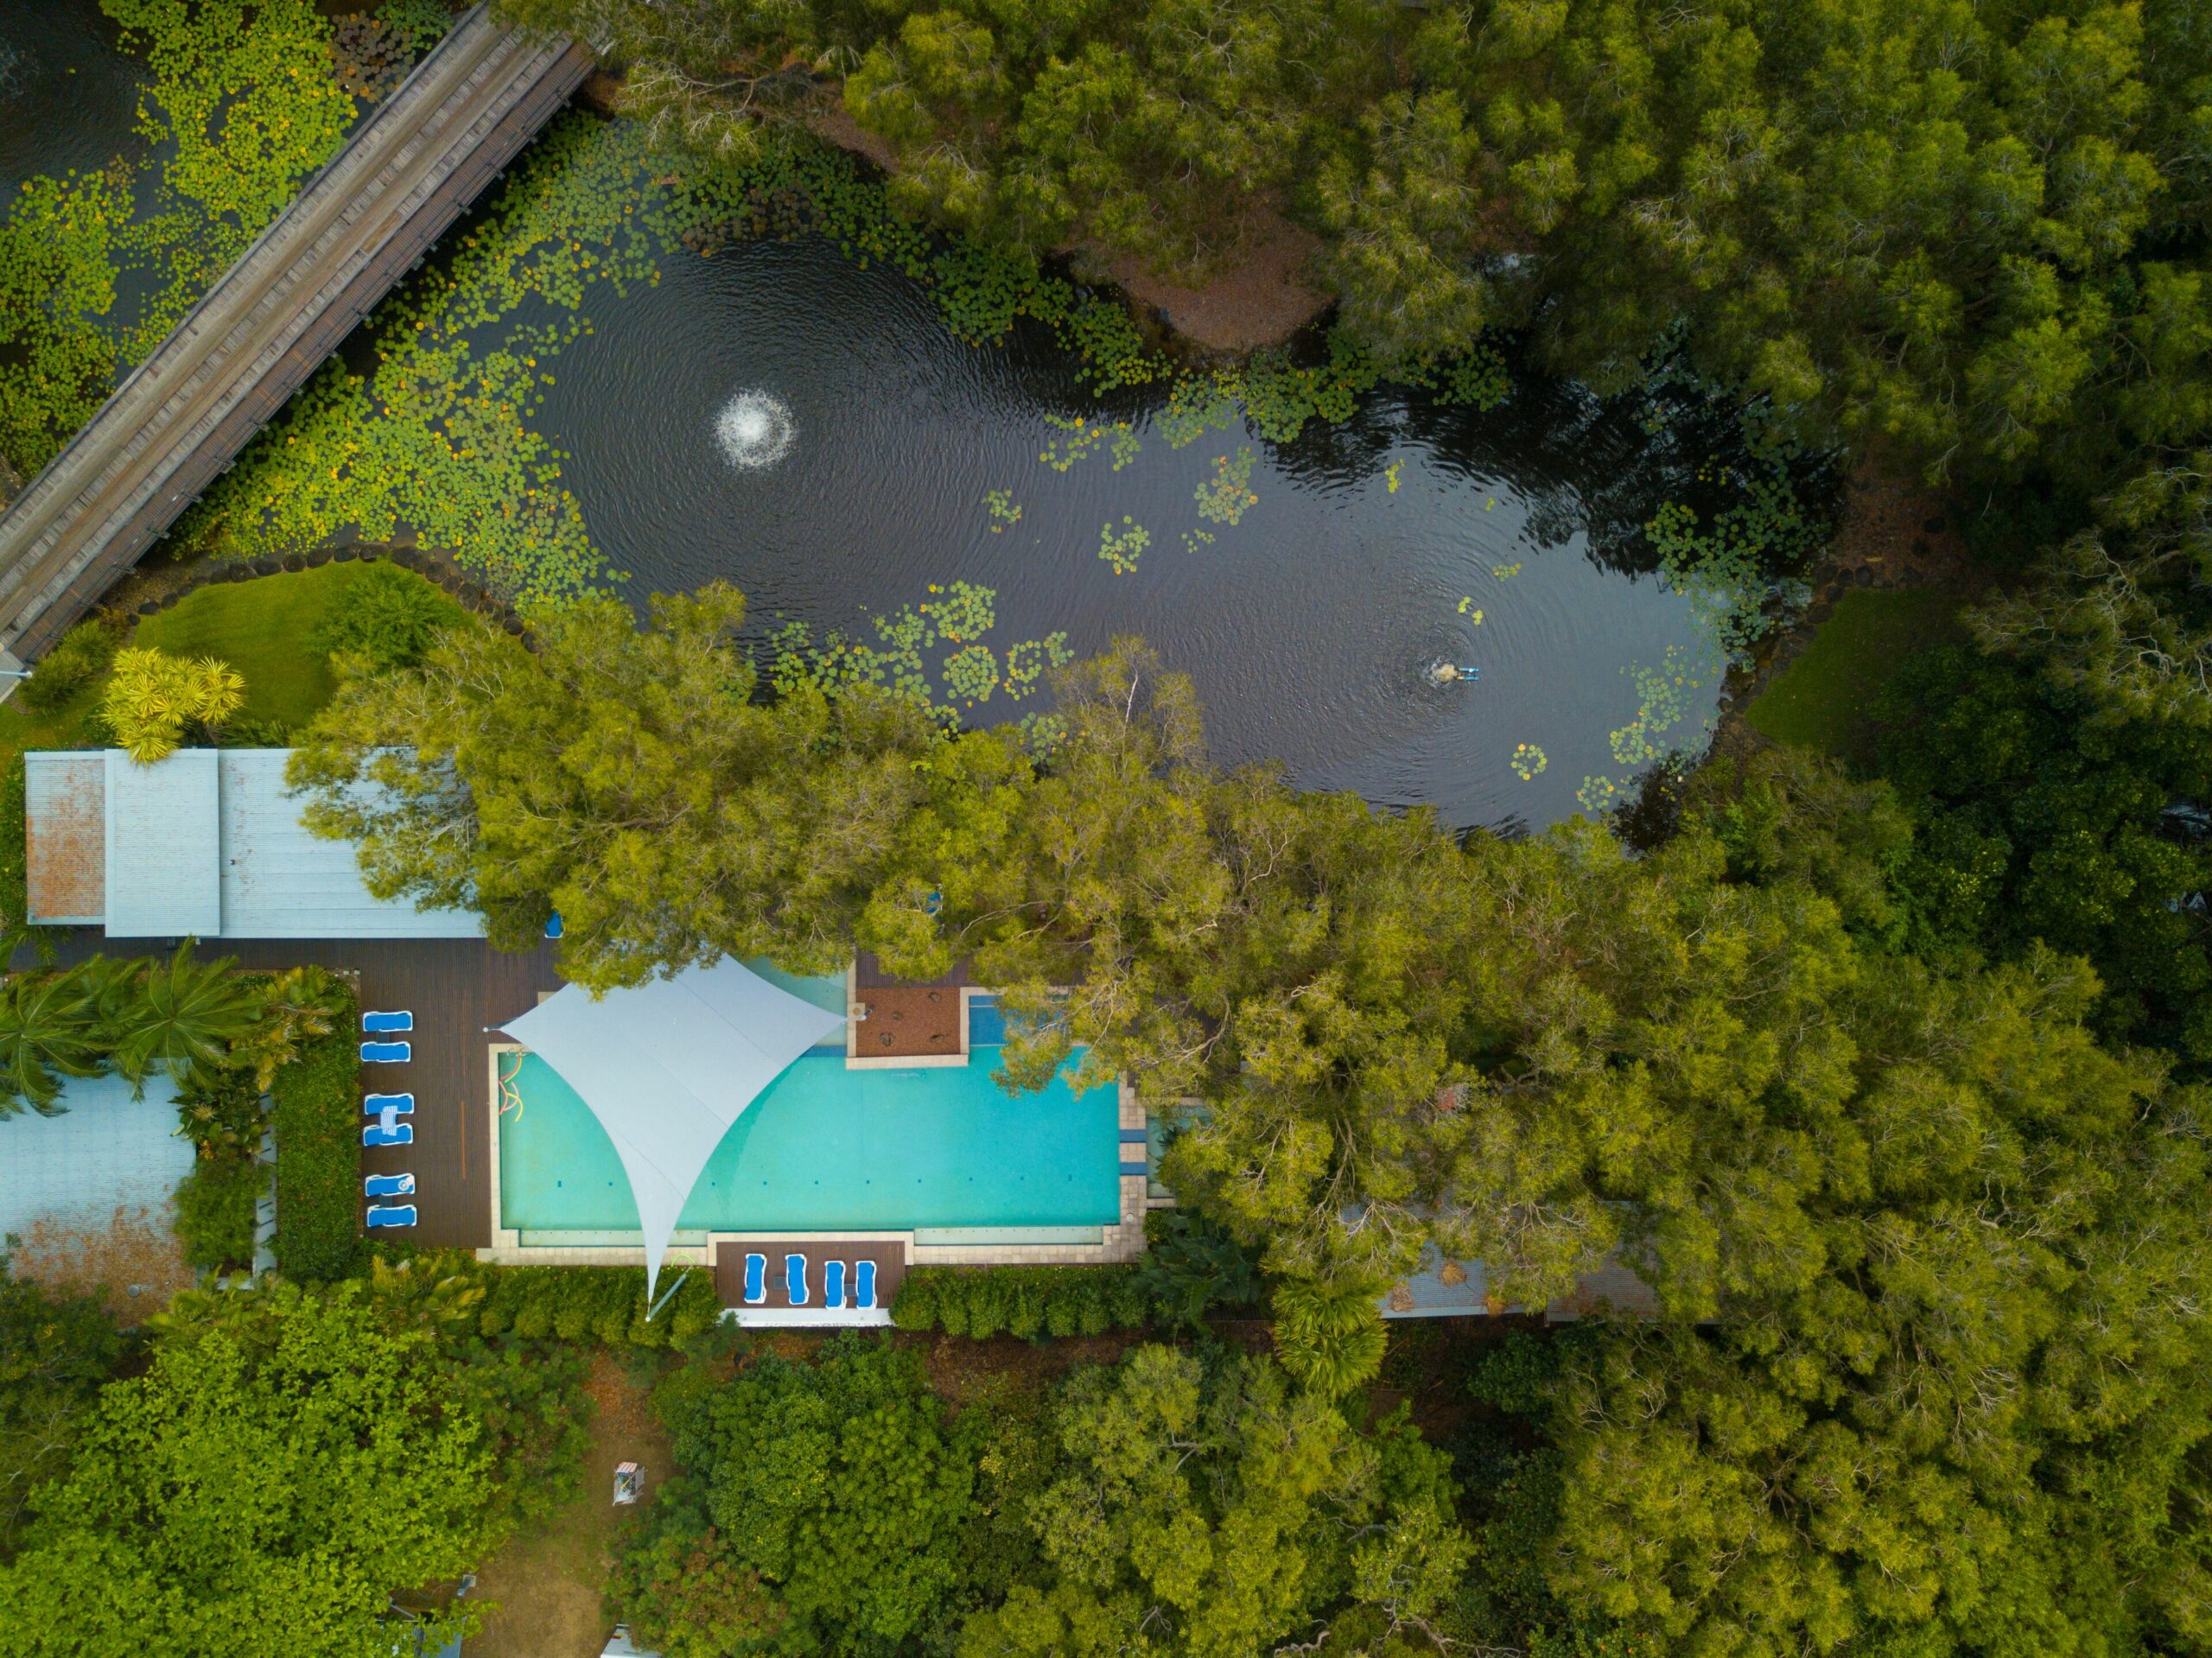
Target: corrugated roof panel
(162, 841)
(280, 881)
(64, 835)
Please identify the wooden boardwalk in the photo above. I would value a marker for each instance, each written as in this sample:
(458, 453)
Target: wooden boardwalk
(362, 222)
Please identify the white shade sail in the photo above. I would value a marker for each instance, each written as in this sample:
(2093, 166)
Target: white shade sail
(669, 1067)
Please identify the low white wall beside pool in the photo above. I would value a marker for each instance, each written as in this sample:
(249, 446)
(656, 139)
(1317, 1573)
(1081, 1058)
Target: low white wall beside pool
(105, 1151)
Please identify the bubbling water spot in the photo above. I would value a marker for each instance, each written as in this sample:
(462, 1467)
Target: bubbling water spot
(756, 429)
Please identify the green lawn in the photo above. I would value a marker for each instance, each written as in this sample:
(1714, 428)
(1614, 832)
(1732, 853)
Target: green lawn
(261, 628)
(1825, 699)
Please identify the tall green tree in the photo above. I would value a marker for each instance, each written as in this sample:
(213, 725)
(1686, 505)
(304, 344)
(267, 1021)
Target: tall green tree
(625, 780)
(1207, 1508)
(839, 1485)
(50, 1028)
(2052, 816)
(56, 1351)
(182, 1016)
(277, 1473)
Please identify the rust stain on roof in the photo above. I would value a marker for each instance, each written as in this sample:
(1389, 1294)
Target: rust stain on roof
(65, 832)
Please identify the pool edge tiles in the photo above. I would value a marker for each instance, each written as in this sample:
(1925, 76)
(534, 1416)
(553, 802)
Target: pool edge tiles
(949, 1165)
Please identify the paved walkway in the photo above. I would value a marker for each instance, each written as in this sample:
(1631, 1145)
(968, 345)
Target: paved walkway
(182, 415)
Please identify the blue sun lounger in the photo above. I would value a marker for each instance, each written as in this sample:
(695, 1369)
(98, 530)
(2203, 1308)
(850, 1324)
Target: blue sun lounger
(400, 1105)
(395, 1053)
(864, 1285)
(378, 1023)
(391, 1214)
(378, 1134)
(388, 1185)
(756, 1279)
(833, 1283)
(795, 1279)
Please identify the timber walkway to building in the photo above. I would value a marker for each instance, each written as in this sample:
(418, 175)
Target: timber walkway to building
(181, 416)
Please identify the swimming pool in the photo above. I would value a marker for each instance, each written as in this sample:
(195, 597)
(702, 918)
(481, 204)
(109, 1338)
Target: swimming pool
(827, 1149)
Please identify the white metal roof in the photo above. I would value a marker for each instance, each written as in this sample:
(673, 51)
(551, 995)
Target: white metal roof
(163, 870)
(281, 881)
(669, 1067)
(205, 842)
(106, 1151)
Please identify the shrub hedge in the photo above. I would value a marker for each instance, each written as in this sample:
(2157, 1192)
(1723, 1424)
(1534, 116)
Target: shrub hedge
(15, 851)
(214, 1211)
(1031, 1302)
(317, 1117)
(601, 1304)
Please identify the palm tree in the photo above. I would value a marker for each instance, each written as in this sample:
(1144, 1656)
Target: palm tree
(48, 1024)
(181, 1015)
(297, 1004)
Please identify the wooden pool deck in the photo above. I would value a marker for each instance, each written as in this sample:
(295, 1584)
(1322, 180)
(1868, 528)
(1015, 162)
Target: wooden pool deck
(888, 1254)
(455, 988)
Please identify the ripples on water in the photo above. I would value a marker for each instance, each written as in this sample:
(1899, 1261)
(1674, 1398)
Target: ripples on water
(67, 92)
(755, 429)
(811, 431)
(1310, 626)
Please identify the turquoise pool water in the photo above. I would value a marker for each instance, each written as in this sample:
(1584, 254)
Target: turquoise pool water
(828, 1149)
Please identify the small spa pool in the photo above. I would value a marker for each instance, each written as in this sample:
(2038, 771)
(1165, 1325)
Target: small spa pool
(828, 1149)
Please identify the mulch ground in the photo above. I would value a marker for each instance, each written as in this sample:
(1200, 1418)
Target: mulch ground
(1262, 300)
(132, 1257)
(910, 1022)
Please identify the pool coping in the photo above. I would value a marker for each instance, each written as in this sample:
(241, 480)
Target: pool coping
(1122, 1241)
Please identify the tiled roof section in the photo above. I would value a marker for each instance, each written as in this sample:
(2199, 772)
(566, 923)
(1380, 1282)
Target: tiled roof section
(65, 832)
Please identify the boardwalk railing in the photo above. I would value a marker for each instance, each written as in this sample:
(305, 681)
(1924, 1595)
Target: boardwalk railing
(181, 417)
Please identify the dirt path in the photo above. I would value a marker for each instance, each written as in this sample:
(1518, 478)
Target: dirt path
(547, 1582)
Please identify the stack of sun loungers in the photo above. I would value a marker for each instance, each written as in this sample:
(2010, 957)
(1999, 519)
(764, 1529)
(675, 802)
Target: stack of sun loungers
(796, 1289)
(387, 1129)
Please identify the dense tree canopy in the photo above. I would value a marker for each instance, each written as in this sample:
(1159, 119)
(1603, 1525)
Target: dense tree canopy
(1203, 1507)
(1172, 1504)
(1930, 1260)
(625, 779)
(55, 1352)
(1970, 230)
(263, 1488)
(840, 1485)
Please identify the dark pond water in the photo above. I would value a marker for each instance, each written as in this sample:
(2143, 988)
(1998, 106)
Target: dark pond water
(67, 93)
(1310, 625)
